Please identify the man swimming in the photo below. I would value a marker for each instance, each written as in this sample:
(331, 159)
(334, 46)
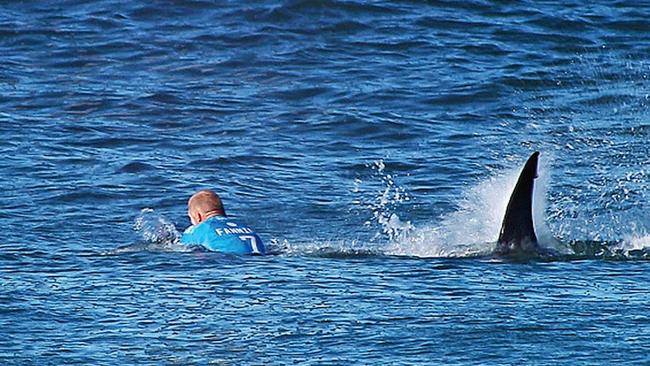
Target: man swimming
(213, 230)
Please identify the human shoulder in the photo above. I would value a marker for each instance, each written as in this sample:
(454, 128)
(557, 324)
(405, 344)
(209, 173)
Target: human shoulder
(190, 230)
(195, 230)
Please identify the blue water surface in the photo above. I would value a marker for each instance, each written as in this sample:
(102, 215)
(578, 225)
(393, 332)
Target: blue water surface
(372, 145)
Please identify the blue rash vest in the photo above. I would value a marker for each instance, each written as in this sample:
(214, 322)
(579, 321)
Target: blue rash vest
(223, 234)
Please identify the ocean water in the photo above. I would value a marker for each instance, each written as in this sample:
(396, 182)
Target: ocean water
(372, 145)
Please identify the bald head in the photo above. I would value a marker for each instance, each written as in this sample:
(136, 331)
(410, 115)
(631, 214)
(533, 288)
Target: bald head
(203, 205)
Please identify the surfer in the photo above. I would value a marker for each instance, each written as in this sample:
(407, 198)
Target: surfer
(213, 230)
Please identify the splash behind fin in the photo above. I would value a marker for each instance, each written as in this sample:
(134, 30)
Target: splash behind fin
(517, 236)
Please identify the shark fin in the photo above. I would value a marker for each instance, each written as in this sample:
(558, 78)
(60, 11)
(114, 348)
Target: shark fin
(517, 237)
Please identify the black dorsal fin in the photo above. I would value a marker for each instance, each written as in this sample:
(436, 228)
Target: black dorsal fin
(517, 236)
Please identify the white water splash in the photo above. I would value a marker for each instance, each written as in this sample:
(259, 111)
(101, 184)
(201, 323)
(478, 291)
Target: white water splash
(155, 229)
(473, 229)
(380, 195)
(468, 231)
(636, 243)
(158, 235)
(545, 237)
(638, 240)
(383, 205)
